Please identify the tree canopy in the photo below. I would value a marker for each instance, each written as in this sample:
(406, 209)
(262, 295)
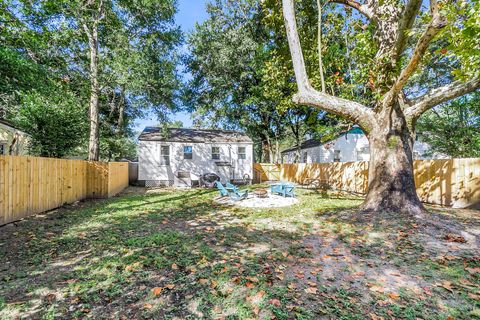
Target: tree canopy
(46, 48)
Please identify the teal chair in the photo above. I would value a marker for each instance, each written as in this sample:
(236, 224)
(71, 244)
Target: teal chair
(232, 187)
(235, 195)
(283, 189)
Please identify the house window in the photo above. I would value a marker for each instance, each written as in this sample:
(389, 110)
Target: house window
(2, 148)
(362, 153)
(188, 152)
(215, 153)
(165, 156)
(336, 155)
(242, 153)
(305, 157)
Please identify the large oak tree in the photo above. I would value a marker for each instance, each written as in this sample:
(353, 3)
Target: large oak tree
(389, 120)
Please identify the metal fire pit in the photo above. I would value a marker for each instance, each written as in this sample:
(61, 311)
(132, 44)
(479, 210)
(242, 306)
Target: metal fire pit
(261, 193)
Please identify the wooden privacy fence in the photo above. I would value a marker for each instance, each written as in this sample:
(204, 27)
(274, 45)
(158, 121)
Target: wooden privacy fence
(449, 182)
(30, 185)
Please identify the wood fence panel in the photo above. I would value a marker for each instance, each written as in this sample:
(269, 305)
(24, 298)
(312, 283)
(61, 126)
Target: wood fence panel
(448, 182)
(118, 177)
(30, 185)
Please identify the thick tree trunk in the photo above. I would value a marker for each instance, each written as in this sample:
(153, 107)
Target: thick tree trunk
(391, 180)
(94, 141)
(390, 124)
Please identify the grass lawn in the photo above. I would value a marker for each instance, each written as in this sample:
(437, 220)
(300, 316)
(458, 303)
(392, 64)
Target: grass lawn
(179, 255)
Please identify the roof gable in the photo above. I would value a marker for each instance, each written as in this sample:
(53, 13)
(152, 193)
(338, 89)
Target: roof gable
(193, 135)
(311, 143)
(9, 124)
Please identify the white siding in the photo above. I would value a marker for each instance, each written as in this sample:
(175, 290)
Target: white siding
(312, 155)
(202, 162)
(352, 147)
(8, 135)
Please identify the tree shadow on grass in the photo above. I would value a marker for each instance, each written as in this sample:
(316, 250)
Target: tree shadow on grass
(87, 250)
(181, 255)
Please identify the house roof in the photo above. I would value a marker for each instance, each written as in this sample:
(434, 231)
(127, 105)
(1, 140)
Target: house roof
(9, 124)
(193, 135)
(316, 142)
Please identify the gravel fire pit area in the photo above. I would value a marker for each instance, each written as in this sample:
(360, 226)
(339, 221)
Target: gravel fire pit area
(271, 201)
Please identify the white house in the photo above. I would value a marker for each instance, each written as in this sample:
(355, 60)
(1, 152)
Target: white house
(170, 157)
(12, 140)
(347, 147)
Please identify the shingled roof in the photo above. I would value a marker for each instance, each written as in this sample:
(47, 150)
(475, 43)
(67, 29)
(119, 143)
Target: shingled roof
(316, 142)
(9, 124)
(193, 135)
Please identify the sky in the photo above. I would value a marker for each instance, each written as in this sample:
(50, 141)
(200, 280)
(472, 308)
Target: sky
(189, 13)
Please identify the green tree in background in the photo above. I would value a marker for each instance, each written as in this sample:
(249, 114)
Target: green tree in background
(243, 75)
(117, 55)
(454, 129)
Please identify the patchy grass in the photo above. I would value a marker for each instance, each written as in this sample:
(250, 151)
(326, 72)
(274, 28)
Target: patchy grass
(178, 254)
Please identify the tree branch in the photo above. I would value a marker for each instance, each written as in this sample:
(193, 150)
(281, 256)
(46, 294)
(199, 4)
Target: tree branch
(438, 23)
(408, 18)
(307, 95)
(364, 9)
(439, 95)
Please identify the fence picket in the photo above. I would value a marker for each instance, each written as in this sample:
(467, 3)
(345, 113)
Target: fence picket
(452, 182)
(30, 185)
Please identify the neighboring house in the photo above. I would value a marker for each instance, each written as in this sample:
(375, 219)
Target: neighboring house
(179, 157)
(349, 146)
(12, 140)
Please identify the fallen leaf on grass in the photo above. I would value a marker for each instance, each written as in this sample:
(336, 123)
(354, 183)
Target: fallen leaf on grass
(447, 285)
(474, 296)
(51, 297)
(427, 291)
(375, 317)
(275, 302)
(250, 285)
(157, 291)
(473, 270)
(147, 306)
(359, 274)
(393, 295)
(170, 286)
(174, 266)
(311, 290)
(257, 298)
(454, 238)
(377, 289)
(202, 281)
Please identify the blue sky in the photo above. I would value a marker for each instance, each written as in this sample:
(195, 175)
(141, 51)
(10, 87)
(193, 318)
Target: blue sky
(189, 13)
